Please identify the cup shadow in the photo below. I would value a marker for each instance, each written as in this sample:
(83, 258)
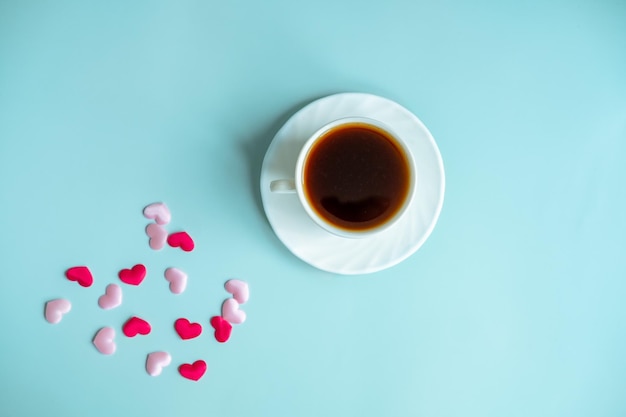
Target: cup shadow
(254, 148)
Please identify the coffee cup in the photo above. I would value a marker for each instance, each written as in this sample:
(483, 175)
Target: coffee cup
(354, 177)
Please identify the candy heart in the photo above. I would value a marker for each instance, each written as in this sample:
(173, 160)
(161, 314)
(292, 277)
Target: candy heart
(111, 298)
(55, 309)
(239, 289)
(156, 361)
(193, 371)
(231, 312)
(182, 240)
(159, 212)
(80, 274)
(222, 328)
(177, 280)
(157, 235)
(135, 326)
(133, 276)
(187, 330)
(104, 341)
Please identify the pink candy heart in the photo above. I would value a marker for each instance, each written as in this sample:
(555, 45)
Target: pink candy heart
(159, 212)
(231, 312)
(156, 361)
(177, 280)
(157, 235)
(112, 297)
(104, 341)
(55, 309)
(239, 289)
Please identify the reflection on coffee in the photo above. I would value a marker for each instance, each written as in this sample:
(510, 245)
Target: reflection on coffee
(356, 176)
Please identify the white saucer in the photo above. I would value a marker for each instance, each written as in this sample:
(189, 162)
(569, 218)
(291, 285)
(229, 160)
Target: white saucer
(340, 255)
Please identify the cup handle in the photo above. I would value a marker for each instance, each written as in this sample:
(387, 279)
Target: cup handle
(283, 186)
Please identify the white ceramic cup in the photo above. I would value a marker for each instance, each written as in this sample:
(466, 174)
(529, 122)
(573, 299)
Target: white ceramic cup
(297, 185)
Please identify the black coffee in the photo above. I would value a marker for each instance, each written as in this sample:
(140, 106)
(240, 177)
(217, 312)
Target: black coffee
(356, 177)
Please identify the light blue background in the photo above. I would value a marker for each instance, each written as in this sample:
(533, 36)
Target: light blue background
(515, 306)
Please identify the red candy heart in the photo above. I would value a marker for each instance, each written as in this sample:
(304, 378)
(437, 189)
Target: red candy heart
(135, 326)
(80, 274)
(187, 330)
(193, 371)
(133, 276)
(181, 240)
(222, 328)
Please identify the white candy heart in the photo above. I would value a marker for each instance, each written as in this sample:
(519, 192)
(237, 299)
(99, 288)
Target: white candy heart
(177, 280)
(158, 236)
(111, 298)
(239, 289)
(156, 361)
(159, 212)
(231, 312)
(104, 341)
(55, 309)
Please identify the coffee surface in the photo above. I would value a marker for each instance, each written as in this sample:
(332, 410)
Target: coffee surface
(356, 177)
